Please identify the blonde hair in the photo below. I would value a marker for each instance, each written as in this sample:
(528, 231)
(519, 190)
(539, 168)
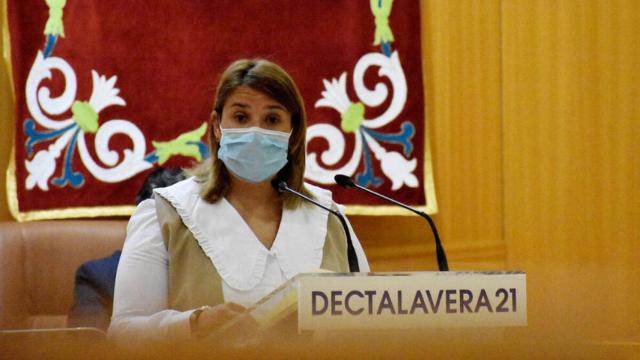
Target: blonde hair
(270, 79)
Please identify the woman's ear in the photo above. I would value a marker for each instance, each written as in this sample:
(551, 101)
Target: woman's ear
(215, 123)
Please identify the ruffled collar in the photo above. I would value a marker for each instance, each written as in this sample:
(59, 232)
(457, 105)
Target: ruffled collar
(237, 254)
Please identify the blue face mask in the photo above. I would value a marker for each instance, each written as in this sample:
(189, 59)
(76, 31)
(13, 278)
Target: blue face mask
(253, 154)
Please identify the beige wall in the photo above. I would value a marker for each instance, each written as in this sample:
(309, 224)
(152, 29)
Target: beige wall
(534, 127)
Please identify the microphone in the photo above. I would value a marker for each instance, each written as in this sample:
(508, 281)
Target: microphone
(346, 182)
(351, 251)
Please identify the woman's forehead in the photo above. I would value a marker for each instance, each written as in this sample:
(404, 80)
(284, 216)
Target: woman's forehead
(245, 96)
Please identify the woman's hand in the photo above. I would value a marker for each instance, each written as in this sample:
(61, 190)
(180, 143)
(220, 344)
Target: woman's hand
(223, 318)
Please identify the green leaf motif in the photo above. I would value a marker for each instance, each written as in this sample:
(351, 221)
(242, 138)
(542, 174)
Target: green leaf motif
(54, 25)
(352, 118)
(186, 145)
(85, 116)
(381, 13)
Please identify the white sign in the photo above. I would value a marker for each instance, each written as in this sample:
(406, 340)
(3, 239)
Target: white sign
(412, 300)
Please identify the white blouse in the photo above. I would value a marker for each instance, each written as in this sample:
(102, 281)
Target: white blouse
(247, 268)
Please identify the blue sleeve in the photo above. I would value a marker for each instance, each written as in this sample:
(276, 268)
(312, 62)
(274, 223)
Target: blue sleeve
(93, 293)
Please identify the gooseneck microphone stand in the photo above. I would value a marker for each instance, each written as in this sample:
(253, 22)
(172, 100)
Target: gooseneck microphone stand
(347, 182)
(351, 252)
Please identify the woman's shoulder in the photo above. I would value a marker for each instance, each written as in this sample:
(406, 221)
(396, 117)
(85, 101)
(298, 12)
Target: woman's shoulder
(183, 197)
(187, 186)
(324, 196)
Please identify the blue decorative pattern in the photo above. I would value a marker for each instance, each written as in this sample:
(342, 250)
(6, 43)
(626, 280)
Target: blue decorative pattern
(151, 157)
(386, 48)
(49, 44)
(69, 176)
(34, 136)
(367, 177)
(403, 137)
(202, 147)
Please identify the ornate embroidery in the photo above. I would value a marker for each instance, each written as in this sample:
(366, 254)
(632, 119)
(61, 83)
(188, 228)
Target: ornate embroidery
(399, 168)
(84, 125)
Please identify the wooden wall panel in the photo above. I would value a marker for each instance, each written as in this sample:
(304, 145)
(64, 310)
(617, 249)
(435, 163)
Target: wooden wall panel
(461, 52)
(571, 130)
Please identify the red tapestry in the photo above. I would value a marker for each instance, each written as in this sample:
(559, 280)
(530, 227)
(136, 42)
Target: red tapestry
(107, 90)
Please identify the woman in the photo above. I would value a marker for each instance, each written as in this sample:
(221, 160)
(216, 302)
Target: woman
(209, 246)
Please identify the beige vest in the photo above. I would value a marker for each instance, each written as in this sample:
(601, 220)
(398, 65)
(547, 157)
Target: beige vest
(194, 281)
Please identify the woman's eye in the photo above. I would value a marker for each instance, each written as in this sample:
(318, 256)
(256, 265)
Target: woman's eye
(273, 119)
(240, 117)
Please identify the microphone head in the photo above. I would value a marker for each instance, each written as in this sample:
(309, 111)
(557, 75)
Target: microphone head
(344, 181)
(282, 186)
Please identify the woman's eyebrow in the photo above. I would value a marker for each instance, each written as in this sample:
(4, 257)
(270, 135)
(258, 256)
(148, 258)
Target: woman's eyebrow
(240, 105)
(276, 107)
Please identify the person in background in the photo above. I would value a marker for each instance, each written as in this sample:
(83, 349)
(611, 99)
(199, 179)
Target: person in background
(95, 279)
(206, 248)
